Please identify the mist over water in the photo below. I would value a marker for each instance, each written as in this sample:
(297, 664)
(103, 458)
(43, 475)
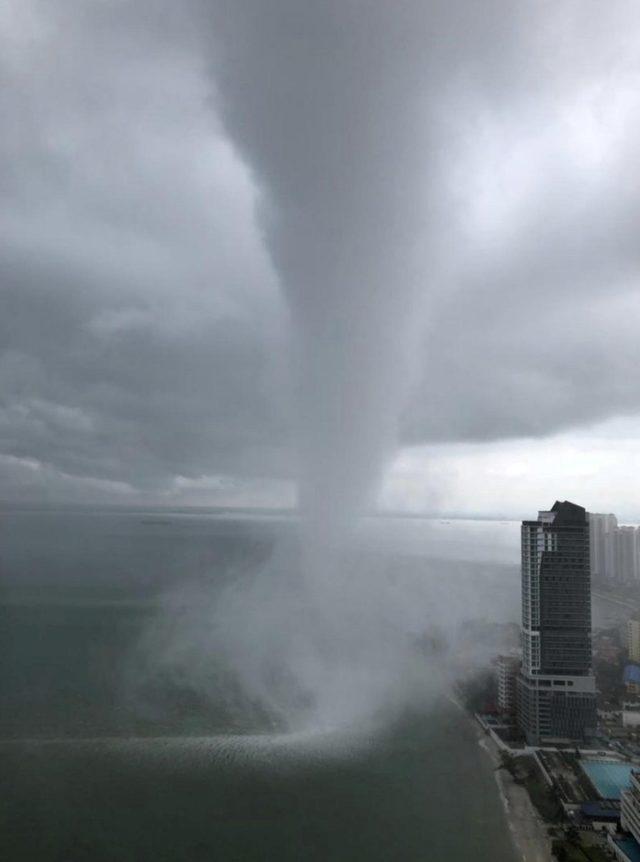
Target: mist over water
(189, 625)
(154, 703)
(272, 651)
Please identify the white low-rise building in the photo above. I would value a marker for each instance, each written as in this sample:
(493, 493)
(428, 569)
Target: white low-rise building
(631, 714)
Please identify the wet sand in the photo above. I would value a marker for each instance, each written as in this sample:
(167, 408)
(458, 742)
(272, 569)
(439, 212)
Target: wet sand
(528, 829)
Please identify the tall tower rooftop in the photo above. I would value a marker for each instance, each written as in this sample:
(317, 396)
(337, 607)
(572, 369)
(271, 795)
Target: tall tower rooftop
(567, 512)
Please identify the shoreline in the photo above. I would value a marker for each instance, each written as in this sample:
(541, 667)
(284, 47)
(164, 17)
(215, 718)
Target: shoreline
(527, 828)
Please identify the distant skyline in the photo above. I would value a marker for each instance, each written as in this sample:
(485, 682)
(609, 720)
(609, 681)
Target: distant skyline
(595, 466)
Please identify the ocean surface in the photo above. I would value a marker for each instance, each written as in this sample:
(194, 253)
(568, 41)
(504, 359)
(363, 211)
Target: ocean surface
(105, 755)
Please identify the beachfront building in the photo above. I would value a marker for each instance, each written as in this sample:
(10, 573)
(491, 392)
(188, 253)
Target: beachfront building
(507, 669)
(556, 687)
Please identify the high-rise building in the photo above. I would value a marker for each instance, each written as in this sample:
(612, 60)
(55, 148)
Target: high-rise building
(556, 686)
(633, 640)
(610, 557)
(601, 530)
(626, 555)
(615, 550)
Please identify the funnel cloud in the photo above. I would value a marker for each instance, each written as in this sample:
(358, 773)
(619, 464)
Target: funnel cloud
(337, 111)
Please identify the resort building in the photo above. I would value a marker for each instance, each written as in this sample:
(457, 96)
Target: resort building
(508, 667)
(556, 687)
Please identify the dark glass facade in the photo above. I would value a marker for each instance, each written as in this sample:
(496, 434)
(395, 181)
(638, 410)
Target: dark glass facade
(565, 594)
(556, 689)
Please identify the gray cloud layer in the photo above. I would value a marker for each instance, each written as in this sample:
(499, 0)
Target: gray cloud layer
(140, 321)
(142, 329)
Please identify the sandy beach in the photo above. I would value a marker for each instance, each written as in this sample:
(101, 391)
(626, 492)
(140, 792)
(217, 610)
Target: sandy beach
(528, 829)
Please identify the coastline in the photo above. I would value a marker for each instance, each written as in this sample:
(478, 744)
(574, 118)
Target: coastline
(528, 830)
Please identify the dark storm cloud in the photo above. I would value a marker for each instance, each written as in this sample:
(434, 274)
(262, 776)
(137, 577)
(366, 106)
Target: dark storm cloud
(139, 319)
(537, 331)
(469, 166)
(454, 160)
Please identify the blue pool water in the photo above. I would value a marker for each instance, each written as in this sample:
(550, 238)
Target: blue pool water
(609, 779)
(629, 847)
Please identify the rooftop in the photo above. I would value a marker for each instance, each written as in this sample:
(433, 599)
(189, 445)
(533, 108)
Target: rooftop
(604, 809)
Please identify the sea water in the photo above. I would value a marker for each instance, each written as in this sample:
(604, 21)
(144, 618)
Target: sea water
(87, 772)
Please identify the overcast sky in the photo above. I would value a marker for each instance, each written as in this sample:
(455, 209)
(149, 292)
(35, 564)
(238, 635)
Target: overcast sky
(159, 165)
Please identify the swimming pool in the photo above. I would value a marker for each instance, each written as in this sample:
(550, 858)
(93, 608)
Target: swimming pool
(609, 778)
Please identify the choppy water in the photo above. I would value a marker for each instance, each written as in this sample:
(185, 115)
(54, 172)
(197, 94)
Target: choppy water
(86, 772)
